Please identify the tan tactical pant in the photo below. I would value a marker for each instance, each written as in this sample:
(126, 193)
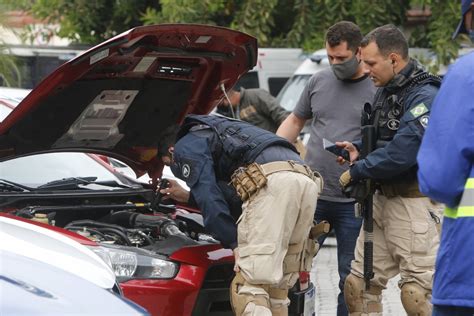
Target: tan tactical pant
(405, 241)
(273, 232)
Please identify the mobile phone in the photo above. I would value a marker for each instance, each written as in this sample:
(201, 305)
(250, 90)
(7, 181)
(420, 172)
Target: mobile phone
(336, 150)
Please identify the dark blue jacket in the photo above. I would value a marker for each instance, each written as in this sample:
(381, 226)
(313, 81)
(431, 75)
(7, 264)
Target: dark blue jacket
(395, 161)
(209, 150)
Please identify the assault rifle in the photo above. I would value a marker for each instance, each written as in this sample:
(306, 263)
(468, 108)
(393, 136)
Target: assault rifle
(363, 192)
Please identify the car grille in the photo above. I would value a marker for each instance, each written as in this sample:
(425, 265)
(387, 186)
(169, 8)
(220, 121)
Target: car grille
(213, 298)
(219, 276)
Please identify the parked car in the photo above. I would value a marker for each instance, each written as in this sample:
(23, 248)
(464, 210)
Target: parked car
(291, 92)
(44, 245)
(116, 100)
(43, 272)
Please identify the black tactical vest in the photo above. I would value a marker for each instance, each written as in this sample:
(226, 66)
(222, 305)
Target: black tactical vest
(239, 143)
(389, 104)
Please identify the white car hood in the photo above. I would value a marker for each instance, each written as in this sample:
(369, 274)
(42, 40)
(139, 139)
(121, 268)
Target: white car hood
(55, 249)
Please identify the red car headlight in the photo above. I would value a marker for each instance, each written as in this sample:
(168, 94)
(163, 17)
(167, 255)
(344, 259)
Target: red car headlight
(134, 263)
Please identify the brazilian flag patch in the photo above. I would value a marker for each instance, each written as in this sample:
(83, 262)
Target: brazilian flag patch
(419, 110)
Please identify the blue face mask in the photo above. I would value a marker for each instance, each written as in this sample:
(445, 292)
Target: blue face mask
(345, 70)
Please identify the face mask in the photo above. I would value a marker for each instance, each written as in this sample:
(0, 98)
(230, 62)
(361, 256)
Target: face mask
(345, 70)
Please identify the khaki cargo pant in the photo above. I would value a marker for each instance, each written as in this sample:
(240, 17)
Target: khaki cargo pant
(405, 241)
(274, 220)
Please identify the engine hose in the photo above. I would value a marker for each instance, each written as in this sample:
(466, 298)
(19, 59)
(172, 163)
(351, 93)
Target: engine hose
(166, 226)
(78, 229)
(121, 218)
(170, 228)
(117, 232)
(146, 237)
(92, 223)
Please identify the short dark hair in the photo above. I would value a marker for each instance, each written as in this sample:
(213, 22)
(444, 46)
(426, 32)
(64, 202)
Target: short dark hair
(389, 39)
(344, 31)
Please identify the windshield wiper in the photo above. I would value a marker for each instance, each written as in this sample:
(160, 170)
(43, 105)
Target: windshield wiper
(73, 183)
(9, 186)
(67, 183)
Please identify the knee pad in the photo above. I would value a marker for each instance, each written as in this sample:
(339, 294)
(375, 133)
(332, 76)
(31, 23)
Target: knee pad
(279, 301)
(249, 299)
(416, 300)
(279, 307)
(358, 300)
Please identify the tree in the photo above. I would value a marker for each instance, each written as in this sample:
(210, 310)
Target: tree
(191, 11)
(9, 72)
(87, 21)
(445, 15)
(275, 23)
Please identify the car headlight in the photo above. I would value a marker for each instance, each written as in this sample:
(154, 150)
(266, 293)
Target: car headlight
(135, 263)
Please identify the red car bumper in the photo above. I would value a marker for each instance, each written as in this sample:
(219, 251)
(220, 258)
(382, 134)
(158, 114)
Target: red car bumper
(201, 286)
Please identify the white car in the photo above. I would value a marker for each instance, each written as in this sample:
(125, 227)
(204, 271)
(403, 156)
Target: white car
(45, 245)
(44, 272)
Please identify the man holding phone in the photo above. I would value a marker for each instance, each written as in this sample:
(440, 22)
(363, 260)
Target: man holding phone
(333, 100)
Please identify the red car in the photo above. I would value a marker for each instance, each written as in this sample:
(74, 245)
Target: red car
(115, 100)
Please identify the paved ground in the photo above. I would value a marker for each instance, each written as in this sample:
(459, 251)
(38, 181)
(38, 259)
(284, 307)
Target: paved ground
(325, 278)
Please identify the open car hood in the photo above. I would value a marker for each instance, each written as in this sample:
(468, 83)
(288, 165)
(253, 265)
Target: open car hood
(118, 97)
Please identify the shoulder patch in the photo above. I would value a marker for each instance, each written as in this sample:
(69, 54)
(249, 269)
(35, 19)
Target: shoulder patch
(186, 170)
(419, 110)
(424, 121)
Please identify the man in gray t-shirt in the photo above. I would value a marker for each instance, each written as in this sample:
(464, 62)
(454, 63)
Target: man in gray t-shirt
(334, 107)
(333, 99)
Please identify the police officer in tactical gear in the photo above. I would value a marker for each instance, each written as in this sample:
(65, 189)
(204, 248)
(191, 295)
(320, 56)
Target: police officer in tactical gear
(405, 235)
(270, 238)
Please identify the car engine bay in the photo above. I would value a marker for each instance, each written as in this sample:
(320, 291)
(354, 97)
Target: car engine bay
(162, 229)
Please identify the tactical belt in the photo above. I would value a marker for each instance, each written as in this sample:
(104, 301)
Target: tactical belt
(248, 181)
(407, 190)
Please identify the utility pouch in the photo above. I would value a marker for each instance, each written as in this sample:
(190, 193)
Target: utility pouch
(310, 250)
(247, 181)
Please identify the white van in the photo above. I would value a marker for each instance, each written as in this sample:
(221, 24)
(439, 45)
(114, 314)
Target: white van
(274, 67)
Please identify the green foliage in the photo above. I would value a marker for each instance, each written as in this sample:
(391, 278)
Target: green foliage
(184, 11)
(256, 18)
(275, 23)
(87, 21)
(308, 27)
(338, 11)
(369, 14)
(445, 16)
(314, 17)
(9, 73)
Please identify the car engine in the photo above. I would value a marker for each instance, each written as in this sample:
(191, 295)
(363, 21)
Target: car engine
(160, 232)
